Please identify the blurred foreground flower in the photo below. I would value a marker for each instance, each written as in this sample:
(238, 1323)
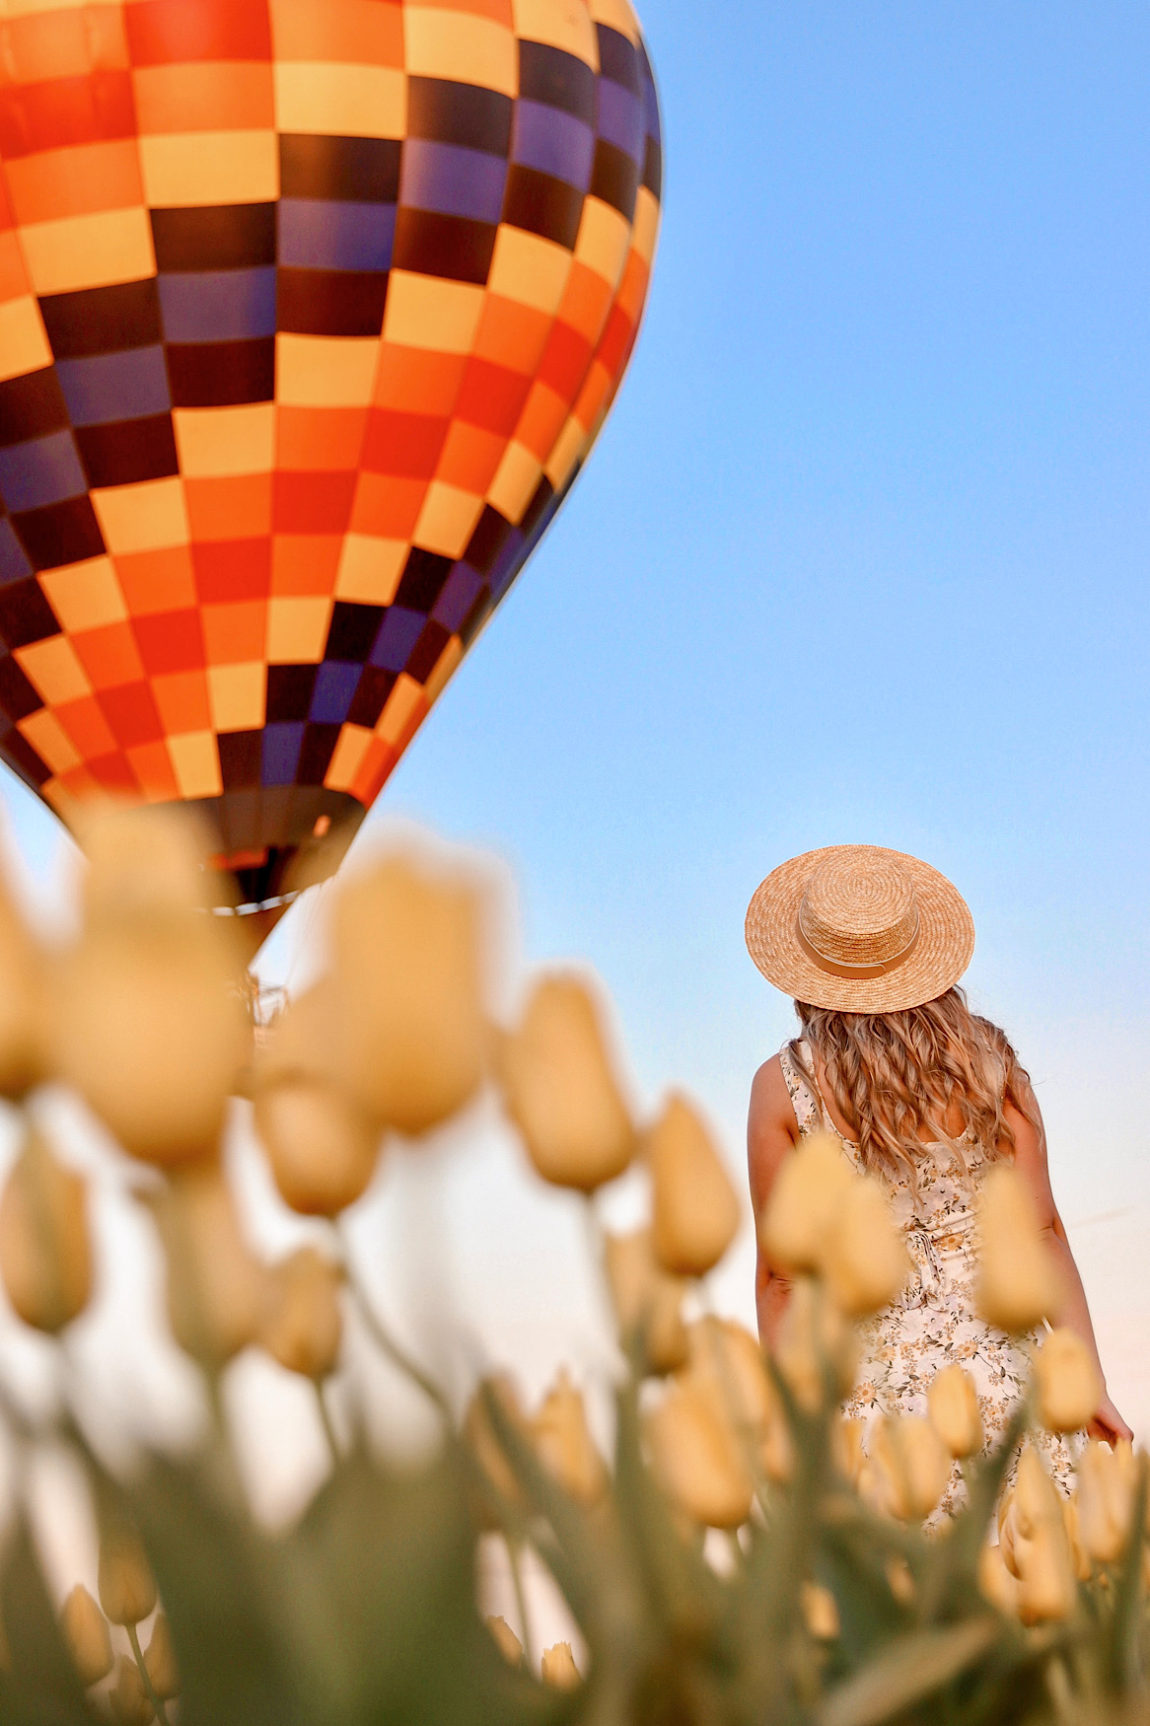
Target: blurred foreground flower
(1069, 1388)
(409, 1034)
(1017, 1280)
(561, 1091)
(89, 1640)
(45, 1243)
(695, 1207)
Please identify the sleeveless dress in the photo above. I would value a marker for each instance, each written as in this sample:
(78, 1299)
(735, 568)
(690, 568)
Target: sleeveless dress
(934, 1322)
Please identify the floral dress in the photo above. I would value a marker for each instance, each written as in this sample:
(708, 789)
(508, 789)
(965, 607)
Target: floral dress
(934, 1322)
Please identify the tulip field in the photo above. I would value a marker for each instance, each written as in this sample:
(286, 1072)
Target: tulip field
(732, 1550)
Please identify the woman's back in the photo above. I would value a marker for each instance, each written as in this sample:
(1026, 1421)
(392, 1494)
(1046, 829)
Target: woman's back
(934, 1323)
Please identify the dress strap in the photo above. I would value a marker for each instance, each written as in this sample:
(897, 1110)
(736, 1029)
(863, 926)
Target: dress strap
(805, 1100)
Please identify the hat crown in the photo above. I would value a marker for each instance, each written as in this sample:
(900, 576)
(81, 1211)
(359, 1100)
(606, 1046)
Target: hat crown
(859, 912)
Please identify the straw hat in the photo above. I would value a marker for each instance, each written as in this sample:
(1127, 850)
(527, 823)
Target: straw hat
(859, 929)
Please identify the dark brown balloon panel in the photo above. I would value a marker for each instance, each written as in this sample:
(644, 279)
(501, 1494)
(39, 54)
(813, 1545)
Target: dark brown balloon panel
(310, 311)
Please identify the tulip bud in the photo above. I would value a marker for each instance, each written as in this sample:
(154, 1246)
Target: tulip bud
(215, 1285)
(696, 1209)
(864, 1259)
(1068, 1382)
(952, 1403)
(22, 967)
(45, 1246)
(1017, 1279)
(126, 1585)
(506, 1640)
(1079, 1557)
(147, 1026)
(996, 1582)
(820, 1611)
(727, 1360)
(86, 1633)
(808, 1190)
(900, 1580)
(560, 1089)
(321, 1149)
(480, 1433)
(1046, 1588)
(646, 1300)
(144, 859)
(847, 1447)
(411, 1034)
(160, 1660)
(302, 1324)
(914, 1466)
(1036, 1498)
(1106, 1484)
(814, 1341)
(131, 1704)
(559, 1668)
(564, 1443)
(698, 1457)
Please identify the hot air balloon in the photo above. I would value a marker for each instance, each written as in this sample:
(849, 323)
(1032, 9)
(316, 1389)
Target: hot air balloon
(310, 311)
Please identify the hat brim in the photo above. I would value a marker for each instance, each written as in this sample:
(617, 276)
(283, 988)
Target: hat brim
(941, 953)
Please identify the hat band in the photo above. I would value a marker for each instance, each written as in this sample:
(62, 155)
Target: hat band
(862, 971)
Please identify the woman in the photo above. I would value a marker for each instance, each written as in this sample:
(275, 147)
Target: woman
(871, 944)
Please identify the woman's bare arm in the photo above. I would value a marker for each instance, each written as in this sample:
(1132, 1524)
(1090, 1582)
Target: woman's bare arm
(772, 1133)
(1030, 1160)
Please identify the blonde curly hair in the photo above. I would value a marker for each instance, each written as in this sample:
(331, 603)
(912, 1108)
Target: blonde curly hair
(895, 1077)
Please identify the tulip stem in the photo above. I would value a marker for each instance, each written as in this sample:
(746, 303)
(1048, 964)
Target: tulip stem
(325, 1421)
(515, 1555)
(153, 1696)
(387, 1344)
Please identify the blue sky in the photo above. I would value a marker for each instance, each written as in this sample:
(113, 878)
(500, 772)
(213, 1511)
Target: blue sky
(861, 554)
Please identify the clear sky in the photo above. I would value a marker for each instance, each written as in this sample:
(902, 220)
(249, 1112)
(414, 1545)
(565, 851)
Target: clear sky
(861, 555)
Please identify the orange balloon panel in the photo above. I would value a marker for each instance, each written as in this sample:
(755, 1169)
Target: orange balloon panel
(310, 311)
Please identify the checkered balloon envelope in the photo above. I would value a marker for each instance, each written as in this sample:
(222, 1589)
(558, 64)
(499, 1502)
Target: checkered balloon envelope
(310, 311)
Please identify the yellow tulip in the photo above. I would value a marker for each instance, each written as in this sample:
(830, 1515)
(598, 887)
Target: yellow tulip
(1106, 1484)
(321, 1148)
(564, 1443)
(480, 1433)
(506, 1640)
(45, 1244)
(997, 1583)
(126, 1585)
(722, 1354)
(1068, 1382)
(160, 1660)
(131, 1704)
(697, 1456)
(647, 1301)
(695, 1206)
(1017, 1277)
(1046, 1587)
(559, 1668)
(147, 1025)
(814, 1342)
(913, 1464)
(561, 1091)
(144, 859)
(86, 1633)
(1080, 1558)
(410, 1036)
(22, 1006)
(864, 1258)
(215, 1286)
(302, 1323)
(952, 1403)
(847, 1436)
(804, 1201)
(820, 1611)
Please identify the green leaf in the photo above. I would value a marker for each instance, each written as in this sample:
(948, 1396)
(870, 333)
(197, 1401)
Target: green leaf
(226, 1603)
(908, 1670)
